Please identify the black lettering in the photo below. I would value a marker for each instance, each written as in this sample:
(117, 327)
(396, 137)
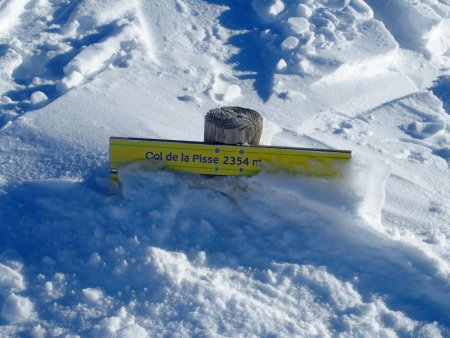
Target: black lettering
(149, 155)
(256, 163)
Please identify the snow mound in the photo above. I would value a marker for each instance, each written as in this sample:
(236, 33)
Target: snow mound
(187, 253)
(410, 135)
(422, 26)
(122, 325)
(317, 37)
(9, 60)
(14, 308)
(313, 56)
(17, 309)
(267, 301)
(10, 281)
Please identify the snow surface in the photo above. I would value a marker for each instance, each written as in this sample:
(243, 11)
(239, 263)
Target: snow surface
(169, 254)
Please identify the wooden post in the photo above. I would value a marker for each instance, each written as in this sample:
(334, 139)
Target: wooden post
(233, 125)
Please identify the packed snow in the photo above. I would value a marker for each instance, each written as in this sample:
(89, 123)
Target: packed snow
(274, 255)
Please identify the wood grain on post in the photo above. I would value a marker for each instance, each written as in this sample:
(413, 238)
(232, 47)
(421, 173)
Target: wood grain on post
(233, 125)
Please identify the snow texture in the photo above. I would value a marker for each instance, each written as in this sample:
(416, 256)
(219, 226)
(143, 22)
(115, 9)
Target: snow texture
(365, 254)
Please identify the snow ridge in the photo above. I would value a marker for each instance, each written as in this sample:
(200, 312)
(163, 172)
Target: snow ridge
(155, 263)
(83, 39)
(418, 25)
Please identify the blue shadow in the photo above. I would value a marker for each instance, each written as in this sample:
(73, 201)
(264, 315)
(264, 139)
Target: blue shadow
(255, 59)
(63, 13)
(46, 68)
(441, 89)
(68, 221)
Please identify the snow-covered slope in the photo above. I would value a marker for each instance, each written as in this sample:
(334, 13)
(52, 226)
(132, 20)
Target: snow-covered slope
(169, 254)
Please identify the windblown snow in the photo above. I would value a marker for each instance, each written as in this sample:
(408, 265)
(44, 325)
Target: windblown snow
(273, 255)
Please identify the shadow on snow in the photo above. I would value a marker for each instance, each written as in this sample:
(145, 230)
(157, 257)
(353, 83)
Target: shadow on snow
(49, 69)
(255, 59)
(233, 220)
(441, 89)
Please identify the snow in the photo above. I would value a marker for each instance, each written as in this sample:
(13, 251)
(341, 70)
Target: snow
(10, 280)
(169, 254)
(92, 295)
(17, 309)
(38, 97)
(417, 25)
(10, 10)
(268, 9)
(232, 93)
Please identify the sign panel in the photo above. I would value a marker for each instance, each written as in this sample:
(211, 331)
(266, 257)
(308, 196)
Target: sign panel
(221, 159)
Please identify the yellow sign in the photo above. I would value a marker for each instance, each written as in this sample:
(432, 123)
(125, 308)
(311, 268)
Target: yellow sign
(220, 159)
